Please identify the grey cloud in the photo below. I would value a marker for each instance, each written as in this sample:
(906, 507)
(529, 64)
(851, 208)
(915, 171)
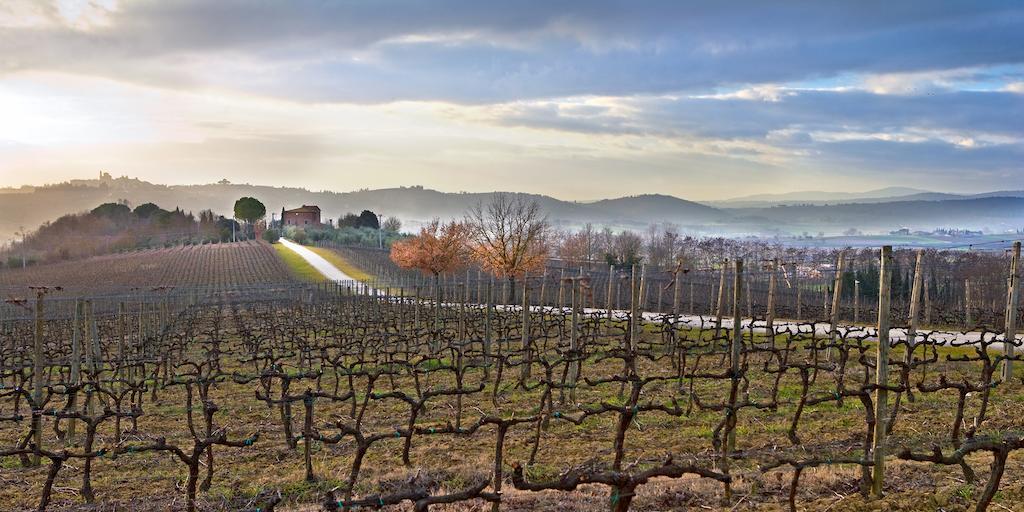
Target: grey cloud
(990, 112)
(840, 131)
(529, 49)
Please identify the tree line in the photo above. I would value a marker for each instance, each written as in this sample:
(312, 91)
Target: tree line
(114, 227)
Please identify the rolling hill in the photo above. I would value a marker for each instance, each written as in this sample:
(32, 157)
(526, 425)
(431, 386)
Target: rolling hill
(877, 211)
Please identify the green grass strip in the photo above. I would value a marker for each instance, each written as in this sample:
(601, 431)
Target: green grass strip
(298, 265)
(343, 265)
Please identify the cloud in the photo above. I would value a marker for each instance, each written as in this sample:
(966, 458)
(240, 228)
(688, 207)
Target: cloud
(685, 96)
(808, 128)
(475, 52)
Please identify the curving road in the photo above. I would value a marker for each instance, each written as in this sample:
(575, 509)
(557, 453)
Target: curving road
(323, 266)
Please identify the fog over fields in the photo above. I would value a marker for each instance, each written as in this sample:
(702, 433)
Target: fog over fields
(873, 212)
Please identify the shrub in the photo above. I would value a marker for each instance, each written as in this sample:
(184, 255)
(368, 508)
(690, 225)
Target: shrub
(271, 235)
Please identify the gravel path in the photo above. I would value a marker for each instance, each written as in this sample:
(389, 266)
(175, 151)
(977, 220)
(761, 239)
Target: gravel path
(323, 266)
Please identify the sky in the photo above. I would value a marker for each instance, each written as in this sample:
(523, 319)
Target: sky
(577, 99)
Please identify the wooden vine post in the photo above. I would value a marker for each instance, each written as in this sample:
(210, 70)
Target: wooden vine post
(736, 345)
(799, 295)
(643, 286)
(769, 317)
(488, 330)
(856, 301)
(38, 365)
(611, 286)
(524, 374)
(837, 289)
(915, 308)
(676, 284)
(735, 350)
(77, 328)
(574, 366)
(1013, 297)
(718, 306)
(881, 372)
(634, 310)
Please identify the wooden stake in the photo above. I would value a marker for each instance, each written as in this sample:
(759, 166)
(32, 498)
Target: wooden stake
(634, 310)
(675, 292)
(76, 368)
(1011, 312)
(881, 373)
(574, 367)
(734, 353)
(769, 317)
(718, 306)
(837, 289)
(38, 364)
(915, 306)
(856, 301)
(611, 282)
(525, 372)
(488, 318)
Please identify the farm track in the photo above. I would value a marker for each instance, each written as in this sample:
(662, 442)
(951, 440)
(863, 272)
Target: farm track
(329, 271)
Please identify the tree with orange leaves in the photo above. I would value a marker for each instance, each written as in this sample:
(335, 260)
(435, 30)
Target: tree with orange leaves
(509, 236)
(438, 248)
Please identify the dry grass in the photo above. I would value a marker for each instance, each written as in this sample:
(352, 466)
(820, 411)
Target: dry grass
(152, 482)
(342, 264)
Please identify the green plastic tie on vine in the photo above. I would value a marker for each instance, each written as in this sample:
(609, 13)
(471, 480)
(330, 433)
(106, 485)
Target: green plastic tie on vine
(615, 497)
(431, 430)
(247, 442)
(558, 414)
(380, 501)
(398, 433)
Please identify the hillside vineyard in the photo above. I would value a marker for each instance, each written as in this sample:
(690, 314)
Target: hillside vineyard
(212, 266)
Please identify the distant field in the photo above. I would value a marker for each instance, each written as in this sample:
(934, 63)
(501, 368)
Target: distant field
(217, 265)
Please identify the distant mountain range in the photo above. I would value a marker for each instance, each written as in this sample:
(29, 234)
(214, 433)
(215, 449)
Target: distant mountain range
(883, 195)
(765, 214)
(819, 196)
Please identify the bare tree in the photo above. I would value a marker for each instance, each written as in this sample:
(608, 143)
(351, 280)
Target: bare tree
(509, 236)
(392, 225)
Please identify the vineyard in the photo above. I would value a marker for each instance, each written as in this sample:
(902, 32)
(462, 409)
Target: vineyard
(744, 384)
(225, 265)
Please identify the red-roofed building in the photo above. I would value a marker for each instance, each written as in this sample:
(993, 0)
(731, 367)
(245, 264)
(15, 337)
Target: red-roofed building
(305, 217)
